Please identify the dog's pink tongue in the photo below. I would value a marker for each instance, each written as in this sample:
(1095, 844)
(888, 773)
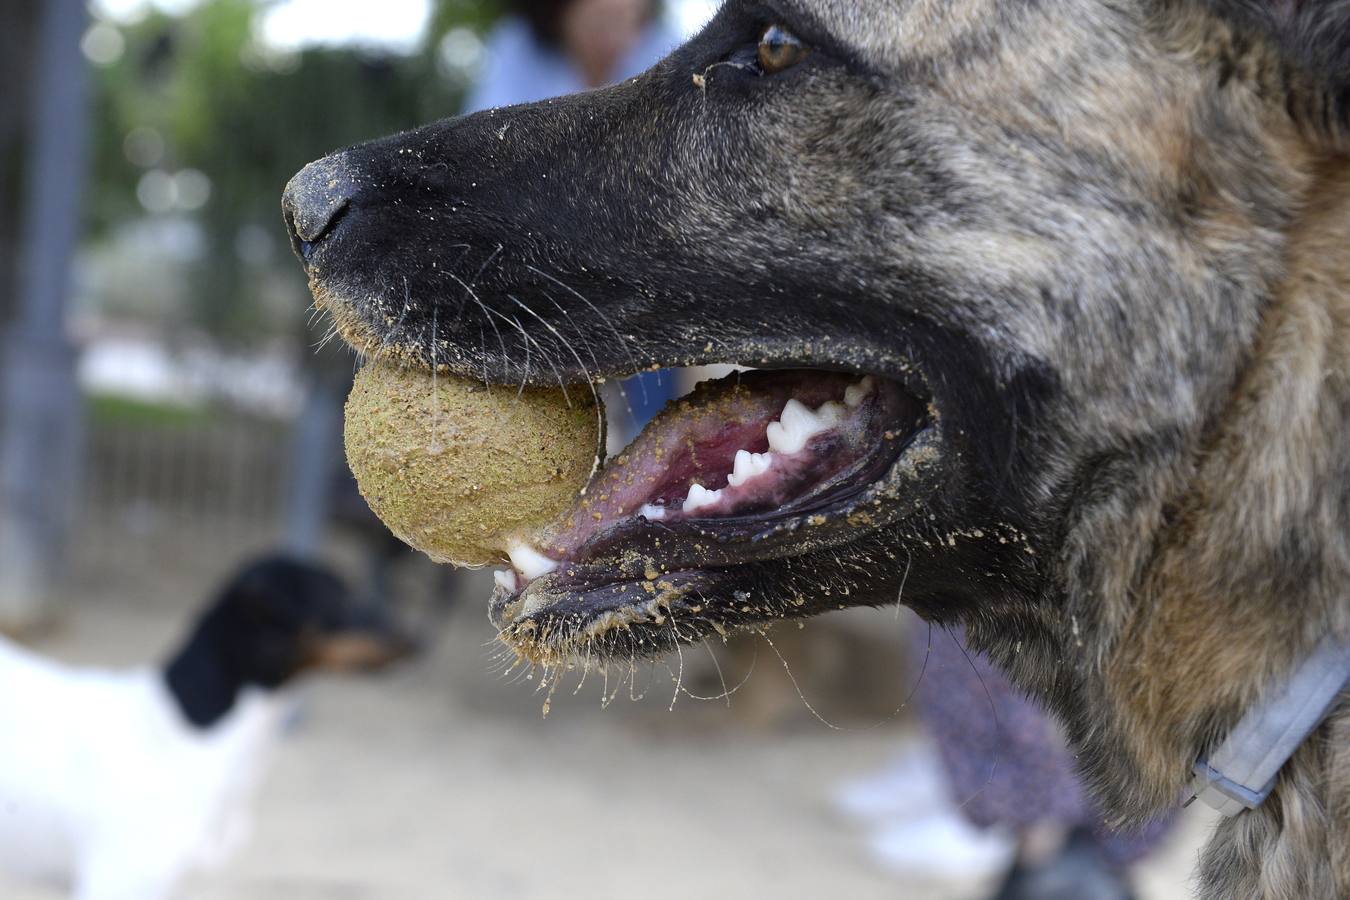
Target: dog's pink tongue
(745, 443)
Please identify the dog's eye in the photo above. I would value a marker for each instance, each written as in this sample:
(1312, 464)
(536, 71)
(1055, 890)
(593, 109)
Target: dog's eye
(780, 49)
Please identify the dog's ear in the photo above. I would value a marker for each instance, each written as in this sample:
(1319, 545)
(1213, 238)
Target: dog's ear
(1313, 39)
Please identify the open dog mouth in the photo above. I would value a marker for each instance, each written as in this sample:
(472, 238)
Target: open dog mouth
(769, 494)
(773, 493)
(752, 468)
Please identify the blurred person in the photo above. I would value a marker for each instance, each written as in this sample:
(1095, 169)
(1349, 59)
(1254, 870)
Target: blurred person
(547, 48)
(123, 782)
(997, 790)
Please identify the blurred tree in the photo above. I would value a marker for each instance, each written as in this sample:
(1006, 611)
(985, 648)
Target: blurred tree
(450, 14)
(18, 36)
(198, 118)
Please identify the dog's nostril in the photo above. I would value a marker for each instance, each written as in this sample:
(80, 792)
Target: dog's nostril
(315, 200)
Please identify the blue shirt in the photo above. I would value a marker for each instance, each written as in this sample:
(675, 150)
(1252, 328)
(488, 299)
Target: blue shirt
(520, 69)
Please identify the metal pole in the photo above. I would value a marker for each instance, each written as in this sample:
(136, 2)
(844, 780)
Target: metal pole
(40, 433)
(315, 453)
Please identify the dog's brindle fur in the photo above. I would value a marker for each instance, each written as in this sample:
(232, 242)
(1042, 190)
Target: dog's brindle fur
(1114, 239)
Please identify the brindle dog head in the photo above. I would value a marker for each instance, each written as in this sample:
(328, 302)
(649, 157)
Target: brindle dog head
(1056, 230)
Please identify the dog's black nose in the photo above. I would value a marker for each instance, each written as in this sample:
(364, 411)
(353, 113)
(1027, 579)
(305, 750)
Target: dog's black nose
(315, 200)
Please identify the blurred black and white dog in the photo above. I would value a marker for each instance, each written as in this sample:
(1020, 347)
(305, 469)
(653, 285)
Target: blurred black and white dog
(122, 782)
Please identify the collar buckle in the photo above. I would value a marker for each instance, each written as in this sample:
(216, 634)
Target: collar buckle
(1241, 772)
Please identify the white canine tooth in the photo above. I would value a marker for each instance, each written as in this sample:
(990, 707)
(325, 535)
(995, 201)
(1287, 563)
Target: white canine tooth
(505, 578)
(652, 513)
(854, 393)
(699, 497)
(530, 562)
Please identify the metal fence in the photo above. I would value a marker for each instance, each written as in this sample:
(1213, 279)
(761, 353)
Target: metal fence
(157, 493)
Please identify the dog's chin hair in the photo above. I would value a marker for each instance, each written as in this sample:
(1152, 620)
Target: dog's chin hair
(636, 631)
(359, 335)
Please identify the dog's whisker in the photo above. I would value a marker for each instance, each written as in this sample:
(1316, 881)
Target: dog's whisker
(585, 672)
(993, 711)
(609, 323)
(482, 344)
(590, 382)
(582, 334)
(632, 416)
(486, 263)
(324, 339)
(721, 677)
(501, 342)
(679, 678)
(526, 376)
(795, 686)
(435, 385)
(528, 340)
(900, 594)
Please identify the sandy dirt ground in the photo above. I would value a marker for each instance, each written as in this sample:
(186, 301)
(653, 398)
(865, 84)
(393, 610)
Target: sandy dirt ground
(443, 780)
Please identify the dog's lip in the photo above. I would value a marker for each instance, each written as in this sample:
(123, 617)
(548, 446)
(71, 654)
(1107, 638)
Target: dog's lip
(612, 618)
(862, 353)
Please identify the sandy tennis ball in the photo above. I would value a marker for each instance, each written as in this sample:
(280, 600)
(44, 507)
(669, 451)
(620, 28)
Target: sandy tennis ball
(459, 470)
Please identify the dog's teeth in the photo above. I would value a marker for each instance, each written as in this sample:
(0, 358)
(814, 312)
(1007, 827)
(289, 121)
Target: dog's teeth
(831, 414)
(794, 428)
(854, 394)
(797, 416)
(530, 562)
(652, 512)
(741, 470)
(505, 579)
(749, 465)
(699, 497)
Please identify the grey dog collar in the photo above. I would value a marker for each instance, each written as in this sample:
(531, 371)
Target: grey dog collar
(1240, 773)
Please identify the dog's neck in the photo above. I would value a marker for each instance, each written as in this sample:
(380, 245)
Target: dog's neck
(1230, 582)
(1267, 498)
(1217, 564)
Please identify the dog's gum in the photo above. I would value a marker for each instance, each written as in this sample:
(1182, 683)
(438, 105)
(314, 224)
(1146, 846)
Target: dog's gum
(463, 472)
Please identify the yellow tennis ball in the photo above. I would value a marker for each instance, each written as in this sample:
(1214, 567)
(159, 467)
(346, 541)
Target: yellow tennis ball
(459, 470)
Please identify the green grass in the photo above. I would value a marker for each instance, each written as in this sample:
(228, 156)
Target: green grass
(119, 410)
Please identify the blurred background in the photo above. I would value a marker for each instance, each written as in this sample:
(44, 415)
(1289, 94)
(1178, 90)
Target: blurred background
(168, 409)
